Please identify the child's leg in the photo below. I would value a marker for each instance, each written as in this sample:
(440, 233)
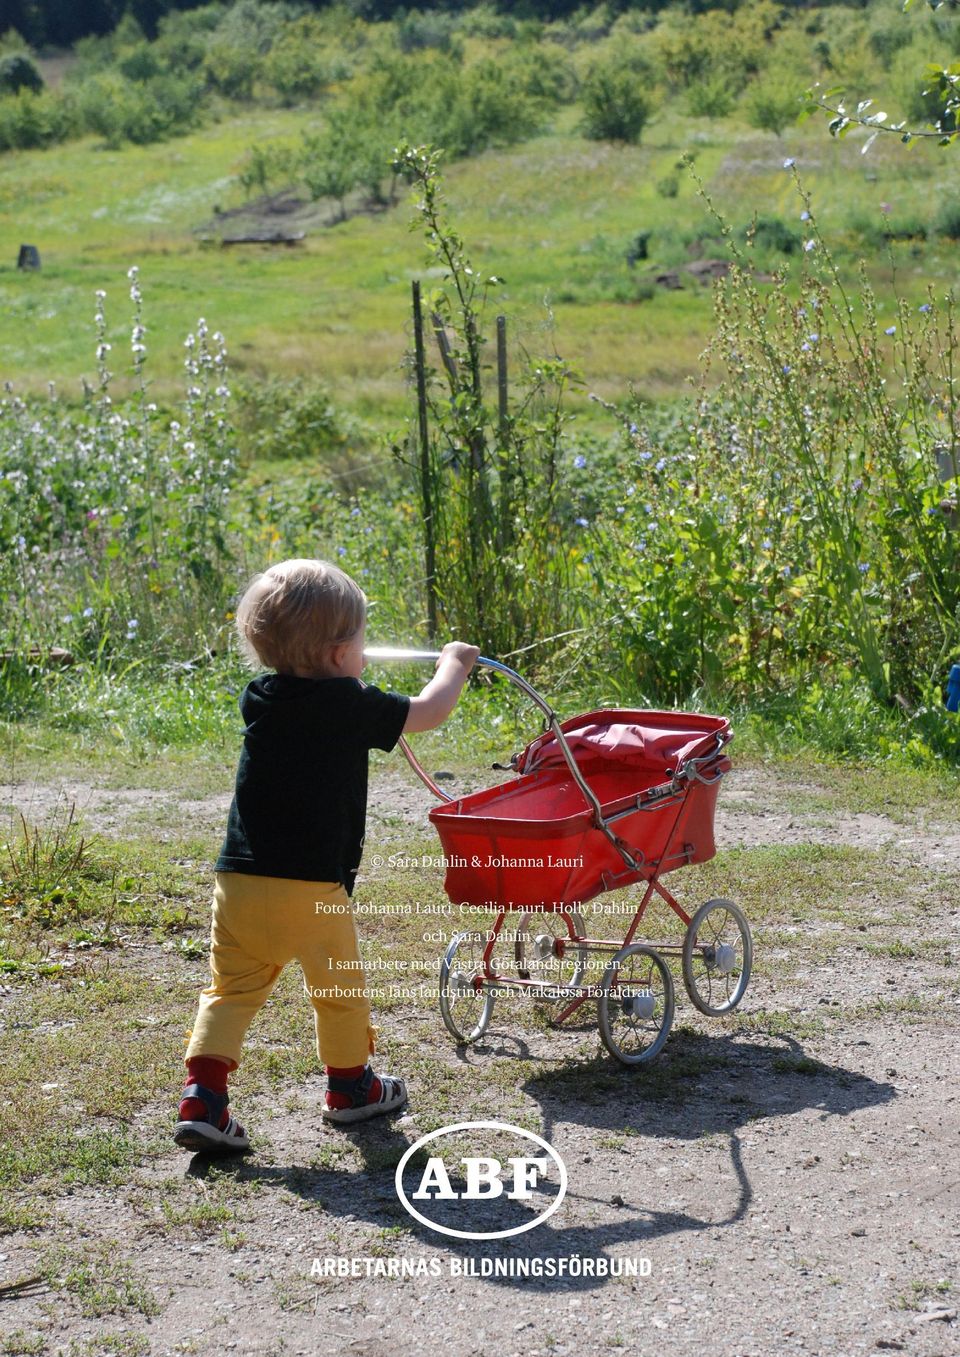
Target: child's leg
(335, 981)
(245, 963)
(336, 985)
(246, 958)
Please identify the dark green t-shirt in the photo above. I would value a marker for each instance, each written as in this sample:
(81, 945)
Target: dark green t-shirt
(300, 805)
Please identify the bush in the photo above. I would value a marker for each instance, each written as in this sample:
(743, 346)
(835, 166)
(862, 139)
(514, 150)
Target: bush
(300, 63)
(773, 102)
(122, 110)
(712, 97)
(29, 120)
(947, 219)
(294, 419)
(615, 107)
(773, 234)
(17, 72)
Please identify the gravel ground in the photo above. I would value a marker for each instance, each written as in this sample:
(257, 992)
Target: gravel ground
(789, 1193)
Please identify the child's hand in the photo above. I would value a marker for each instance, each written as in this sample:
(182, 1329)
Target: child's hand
(460, 653)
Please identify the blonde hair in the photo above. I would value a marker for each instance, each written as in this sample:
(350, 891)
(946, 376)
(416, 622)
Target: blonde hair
(294, 612)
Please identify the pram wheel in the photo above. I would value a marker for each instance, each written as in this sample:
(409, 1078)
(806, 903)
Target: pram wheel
(717, 956)
(635, 1007)
(535, 947)
(464, 1007)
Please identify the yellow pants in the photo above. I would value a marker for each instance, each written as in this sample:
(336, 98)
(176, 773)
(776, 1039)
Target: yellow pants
(260, 923)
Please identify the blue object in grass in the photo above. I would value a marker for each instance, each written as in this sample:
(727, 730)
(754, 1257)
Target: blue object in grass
(953, 689)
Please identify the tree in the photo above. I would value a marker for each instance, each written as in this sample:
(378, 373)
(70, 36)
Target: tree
(941, 84)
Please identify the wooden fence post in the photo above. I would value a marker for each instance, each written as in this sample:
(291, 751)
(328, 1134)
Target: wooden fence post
(426, 483)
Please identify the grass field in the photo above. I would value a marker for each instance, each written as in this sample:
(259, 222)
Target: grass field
(554, 216)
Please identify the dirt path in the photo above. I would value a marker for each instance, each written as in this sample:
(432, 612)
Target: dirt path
(791, 1175)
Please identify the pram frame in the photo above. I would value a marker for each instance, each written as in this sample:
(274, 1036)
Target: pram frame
(656, 799)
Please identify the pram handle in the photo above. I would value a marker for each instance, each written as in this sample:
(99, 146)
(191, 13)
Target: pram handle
(401, 653)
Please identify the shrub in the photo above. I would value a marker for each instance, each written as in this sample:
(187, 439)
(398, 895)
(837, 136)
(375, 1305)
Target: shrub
(773, 234)
(293, 419)
(29, 120)
(946, 222)
(615, 107)
(301, 61)
(122, 110)
(17, 72)
(773, 102)
(711, 97)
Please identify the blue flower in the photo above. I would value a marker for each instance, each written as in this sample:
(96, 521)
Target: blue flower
(645, 456)
(789, 163)
(890, 330)
(661, 464)
(633, 428)
(582, 522)
(804, 216)
(579, 461)
(925, 306)
(341, 551)
(857, 486)
(786, 367)
(355, 512)
(863, 567)
(813, 338)
(809, 245)
(88, 612)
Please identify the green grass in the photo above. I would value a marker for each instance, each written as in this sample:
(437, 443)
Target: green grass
(554, 217)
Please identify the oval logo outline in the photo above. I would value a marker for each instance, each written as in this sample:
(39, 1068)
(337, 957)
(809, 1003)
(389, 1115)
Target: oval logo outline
(480, 1126)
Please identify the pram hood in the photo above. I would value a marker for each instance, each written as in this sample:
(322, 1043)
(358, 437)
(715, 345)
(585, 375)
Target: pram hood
(652, 739)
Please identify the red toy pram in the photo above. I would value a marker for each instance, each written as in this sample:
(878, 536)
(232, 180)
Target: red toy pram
(604, 800)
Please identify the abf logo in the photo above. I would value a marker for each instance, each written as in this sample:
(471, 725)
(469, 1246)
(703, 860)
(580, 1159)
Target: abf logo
(473, 1179)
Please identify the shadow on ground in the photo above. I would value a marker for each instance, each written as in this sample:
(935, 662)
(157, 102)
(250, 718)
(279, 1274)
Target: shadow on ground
(702, 1086)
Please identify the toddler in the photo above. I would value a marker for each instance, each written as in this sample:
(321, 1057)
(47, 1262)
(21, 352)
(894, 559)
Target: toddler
(294, 838)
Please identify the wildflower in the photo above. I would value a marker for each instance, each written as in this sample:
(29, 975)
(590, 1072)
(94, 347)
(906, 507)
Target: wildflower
(579, 461)
(786, 368)
(661, 464)
(355, 512)
(88, 612)
(809, 245)
(21, 543)
(857, 486)
(804, 215)
(767, 544)
(133, 273)
(789, 163)
(588, 558)
(582, 522)
(925, 307)
(621, 508)
(645, 456)
(132, 624)
(785, 572)
(890, 330)
(814, 337)
(633, 428)
(884, 208)
(341, 551)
